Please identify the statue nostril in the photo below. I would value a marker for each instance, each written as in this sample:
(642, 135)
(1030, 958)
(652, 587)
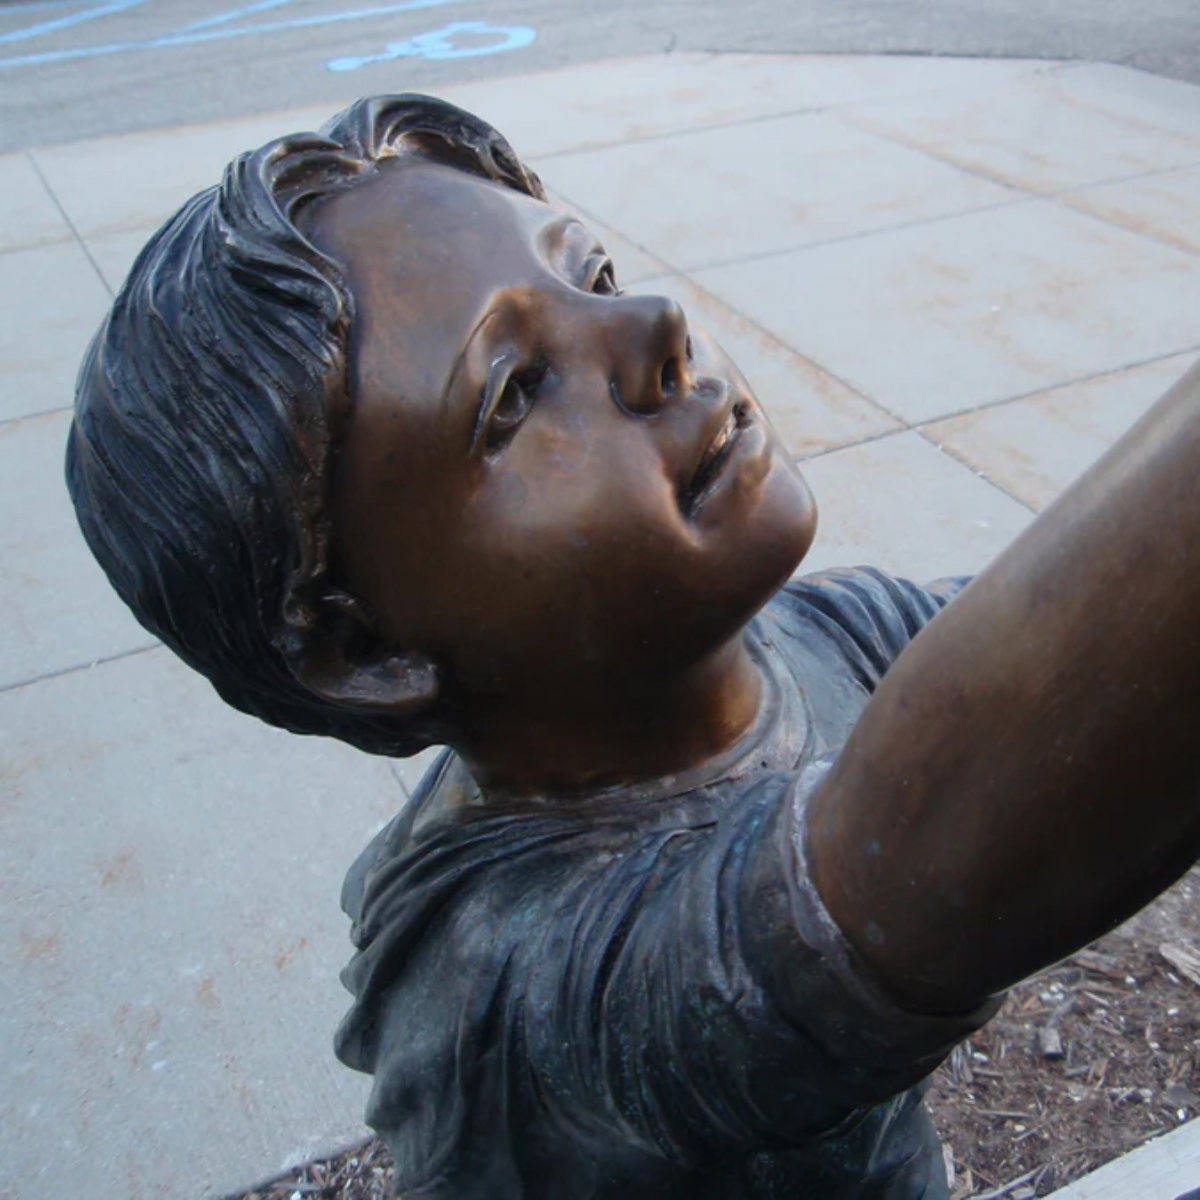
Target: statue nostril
(669, 378)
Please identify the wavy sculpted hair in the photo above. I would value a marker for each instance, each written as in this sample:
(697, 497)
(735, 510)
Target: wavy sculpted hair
(209, 402)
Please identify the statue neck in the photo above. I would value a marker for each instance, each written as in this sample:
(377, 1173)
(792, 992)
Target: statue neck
(666, 724)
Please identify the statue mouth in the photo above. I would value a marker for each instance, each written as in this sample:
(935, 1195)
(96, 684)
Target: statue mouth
(715, 458)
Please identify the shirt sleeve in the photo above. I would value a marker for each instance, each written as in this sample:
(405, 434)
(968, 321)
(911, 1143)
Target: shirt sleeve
(868, 616)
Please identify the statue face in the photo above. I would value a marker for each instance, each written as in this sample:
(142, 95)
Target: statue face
(546, 485)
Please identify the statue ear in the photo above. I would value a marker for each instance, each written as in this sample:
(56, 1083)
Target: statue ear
(344, 661)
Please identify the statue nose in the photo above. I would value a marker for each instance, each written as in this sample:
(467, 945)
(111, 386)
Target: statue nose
(651, 353)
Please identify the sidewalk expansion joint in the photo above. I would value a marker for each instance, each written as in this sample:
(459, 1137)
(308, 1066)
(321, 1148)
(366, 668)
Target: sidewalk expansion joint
(16, 685)
(33, 416)
(951, 453)
(1019, 198)
(803, 110)
(1180, 352)
(70, 224)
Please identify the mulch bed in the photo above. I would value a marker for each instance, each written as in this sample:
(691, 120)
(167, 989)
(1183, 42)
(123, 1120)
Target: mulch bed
(1083, 1063)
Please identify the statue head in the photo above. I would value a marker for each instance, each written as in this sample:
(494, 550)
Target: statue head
(371, 438)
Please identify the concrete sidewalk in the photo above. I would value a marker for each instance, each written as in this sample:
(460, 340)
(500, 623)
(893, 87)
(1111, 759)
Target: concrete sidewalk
(952, 283)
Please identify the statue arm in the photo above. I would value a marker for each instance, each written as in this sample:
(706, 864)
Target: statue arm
(1028, 773)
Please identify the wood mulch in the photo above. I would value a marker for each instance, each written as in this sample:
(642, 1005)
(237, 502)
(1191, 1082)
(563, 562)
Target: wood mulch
(1083, 1063)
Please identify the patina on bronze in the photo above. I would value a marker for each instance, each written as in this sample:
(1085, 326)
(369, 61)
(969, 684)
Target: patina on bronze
(720, 865)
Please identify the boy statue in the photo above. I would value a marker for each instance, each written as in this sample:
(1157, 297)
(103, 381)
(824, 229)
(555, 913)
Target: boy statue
(721, 863)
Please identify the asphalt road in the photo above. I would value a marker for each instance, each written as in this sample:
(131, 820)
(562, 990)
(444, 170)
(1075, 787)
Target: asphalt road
(79, 68)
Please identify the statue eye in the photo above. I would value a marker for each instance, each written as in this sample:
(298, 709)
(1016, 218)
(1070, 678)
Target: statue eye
(514, 403)
(603, 278)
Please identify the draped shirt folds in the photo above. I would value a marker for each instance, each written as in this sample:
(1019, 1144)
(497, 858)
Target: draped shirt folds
(639, 993)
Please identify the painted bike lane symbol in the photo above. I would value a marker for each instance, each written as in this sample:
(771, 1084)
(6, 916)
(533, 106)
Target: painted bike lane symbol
(462, 39)
(445, 43)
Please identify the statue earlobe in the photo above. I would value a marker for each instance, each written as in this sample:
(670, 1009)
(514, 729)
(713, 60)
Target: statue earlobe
(343, 661)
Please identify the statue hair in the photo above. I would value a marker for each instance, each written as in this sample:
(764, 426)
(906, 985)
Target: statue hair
(208, 404)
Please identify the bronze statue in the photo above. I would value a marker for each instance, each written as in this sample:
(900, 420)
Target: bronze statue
(719, 865)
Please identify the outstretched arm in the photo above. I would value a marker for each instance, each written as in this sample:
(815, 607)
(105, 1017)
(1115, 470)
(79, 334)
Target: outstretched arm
(1028, 773)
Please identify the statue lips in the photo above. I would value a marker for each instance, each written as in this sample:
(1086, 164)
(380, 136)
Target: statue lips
(730, 436)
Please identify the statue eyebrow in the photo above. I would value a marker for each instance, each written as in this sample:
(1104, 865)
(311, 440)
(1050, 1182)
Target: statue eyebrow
(558, 230)
(460, 358)
(569, 232)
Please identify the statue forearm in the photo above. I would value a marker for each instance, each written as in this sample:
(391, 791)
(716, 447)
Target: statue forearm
(1028, 774)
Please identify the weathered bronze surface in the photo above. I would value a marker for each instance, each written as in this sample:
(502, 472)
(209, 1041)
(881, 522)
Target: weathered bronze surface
(372, 438)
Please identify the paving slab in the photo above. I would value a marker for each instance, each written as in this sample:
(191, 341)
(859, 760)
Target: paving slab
(170, 960)
(902, 504)
(1139, 96)
(53, 303)
(1060, 129)
(1161, 206)
(621, 100)
(60, 611)
(811, 409)
(1035, 447)
(942, 317)
(815, 178)
(28, 214)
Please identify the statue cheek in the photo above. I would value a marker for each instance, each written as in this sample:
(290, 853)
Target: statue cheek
(565, 447)
(511, 497)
